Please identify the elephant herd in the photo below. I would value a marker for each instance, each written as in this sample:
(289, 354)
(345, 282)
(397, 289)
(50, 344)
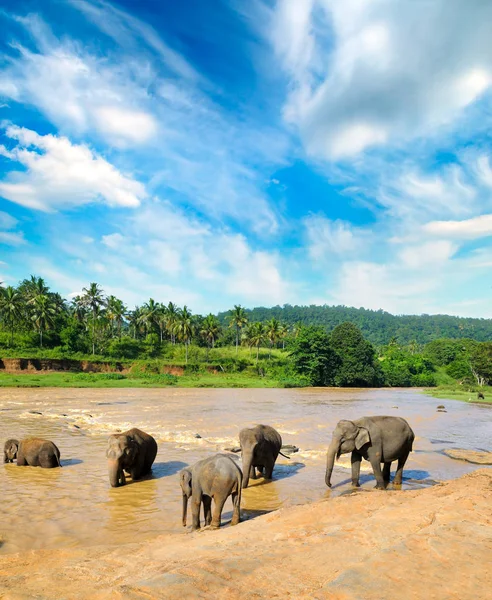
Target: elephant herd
(379, 440)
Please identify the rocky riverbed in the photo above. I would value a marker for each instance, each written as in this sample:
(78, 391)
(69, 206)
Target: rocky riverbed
(372, 545)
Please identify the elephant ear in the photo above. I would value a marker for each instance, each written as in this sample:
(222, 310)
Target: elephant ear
(362, 438)
(14, 448)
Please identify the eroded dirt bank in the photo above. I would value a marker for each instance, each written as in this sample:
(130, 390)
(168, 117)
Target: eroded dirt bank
(433, 543)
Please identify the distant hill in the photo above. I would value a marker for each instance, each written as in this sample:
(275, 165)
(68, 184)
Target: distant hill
(378, 326)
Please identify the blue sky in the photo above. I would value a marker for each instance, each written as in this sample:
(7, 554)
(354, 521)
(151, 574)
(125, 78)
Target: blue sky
(250, 151)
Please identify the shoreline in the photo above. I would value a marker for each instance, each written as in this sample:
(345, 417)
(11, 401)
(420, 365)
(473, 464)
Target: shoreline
(60, 379)
(332, 548)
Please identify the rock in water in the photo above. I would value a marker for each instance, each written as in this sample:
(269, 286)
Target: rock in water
(472, 456)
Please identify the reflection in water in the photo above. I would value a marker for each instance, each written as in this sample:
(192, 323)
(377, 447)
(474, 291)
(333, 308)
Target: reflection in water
(75, 505)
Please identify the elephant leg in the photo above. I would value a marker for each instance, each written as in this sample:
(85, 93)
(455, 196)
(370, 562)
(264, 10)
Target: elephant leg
(376, 467)
(236, 515)
(268, 471)
(355, 459)
(261, 469)
(252, 472)
(219, 502)
(207, 509)
(399, 471)
(387, 472)
(21, 460)
(196, 502)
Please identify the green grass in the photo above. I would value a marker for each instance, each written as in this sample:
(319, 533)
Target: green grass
(100, 380)
(458, 393)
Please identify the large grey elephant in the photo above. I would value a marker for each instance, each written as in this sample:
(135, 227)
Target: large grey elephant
(133, 451)
(216, 477)
(378, 440)
(260, 447)
(32, 452)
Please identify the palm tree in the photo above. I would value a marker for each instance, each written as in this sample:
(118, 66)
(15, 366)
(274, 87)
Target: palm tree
(184, 328)
(134, 320)
(273, 332)
(172, 315)
(238, 319)
(32, 287)
(210, 330)
(93, 299)
(116, 313)
(43, 314)
(77, 309)
(257, 335)
(150, 315)
(11, 304)
(283, 333)
(162, 320)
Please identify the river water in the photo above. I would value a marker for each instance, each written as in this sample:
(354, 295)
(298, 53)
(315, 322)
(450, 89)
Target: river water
(73, 506)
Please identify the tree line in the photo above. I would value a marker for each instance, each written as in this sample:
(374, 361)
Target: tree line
(378, 326)
(95, 323)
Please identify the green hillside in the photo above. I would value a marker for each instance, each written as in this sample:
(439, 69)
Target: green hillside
(378, 326)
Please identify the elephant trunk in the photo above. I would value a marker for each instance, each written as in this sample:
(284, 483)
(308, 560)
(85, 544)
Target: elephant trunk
(114, 470)
(185, 509)
(330, 461)
(247, 462)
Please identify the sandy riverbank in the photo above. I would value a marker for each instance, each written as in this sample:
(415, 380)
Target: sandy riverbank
(433, 543)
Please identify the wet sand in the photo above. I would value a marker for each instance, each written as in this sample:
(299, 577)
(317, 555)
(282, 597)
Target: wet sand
(371, 545)
(75, 506)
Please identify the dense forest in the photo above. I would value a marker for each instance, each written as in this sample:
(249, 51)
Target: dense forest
(316, 345)
(378, 326)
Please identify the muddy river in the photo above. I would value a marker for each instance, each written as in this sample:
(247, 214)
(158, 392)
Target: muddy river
(75, 505)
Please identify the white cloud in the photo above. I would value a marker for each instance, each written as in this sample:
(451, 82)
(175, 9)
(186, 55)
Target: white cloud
(467, 229)
(363, 74)
(122, 123)
(429, 254)
(78, 91)
(326, 238)
(113, 240)
(60, 174)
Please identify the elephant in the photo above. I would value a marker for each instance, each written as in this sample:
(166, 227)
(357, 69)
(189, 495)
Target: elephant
(33, 452)
(260, 447)
(216, 477)
(378, 440)
(133, 451)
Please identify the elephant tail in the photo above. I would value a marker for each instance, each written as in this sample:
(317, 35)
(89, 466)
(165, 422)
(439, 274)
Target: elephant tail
(284, 455)
(58, 460)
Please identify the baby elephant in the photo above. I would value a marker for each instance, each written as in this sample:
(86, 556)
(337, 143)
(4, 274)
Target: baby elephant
(33, 452)
(214, 477)
(133, 451)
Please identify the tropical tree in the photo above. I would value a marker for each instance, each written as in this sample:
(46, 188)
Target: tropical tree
(162, 320)
(134, 320)
(185, 328)
(116, 313)
(210, 330)
(32, 287)
(272, 328)
(93, 299)
(11, 305)
(283, 333)
(238, 319)
(43, 313)
(172, 315)
(149, 316)
(257, 336)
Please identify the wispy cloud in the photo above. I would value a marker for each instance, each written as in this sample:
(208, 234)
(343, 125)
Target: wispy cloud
(371, 73)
